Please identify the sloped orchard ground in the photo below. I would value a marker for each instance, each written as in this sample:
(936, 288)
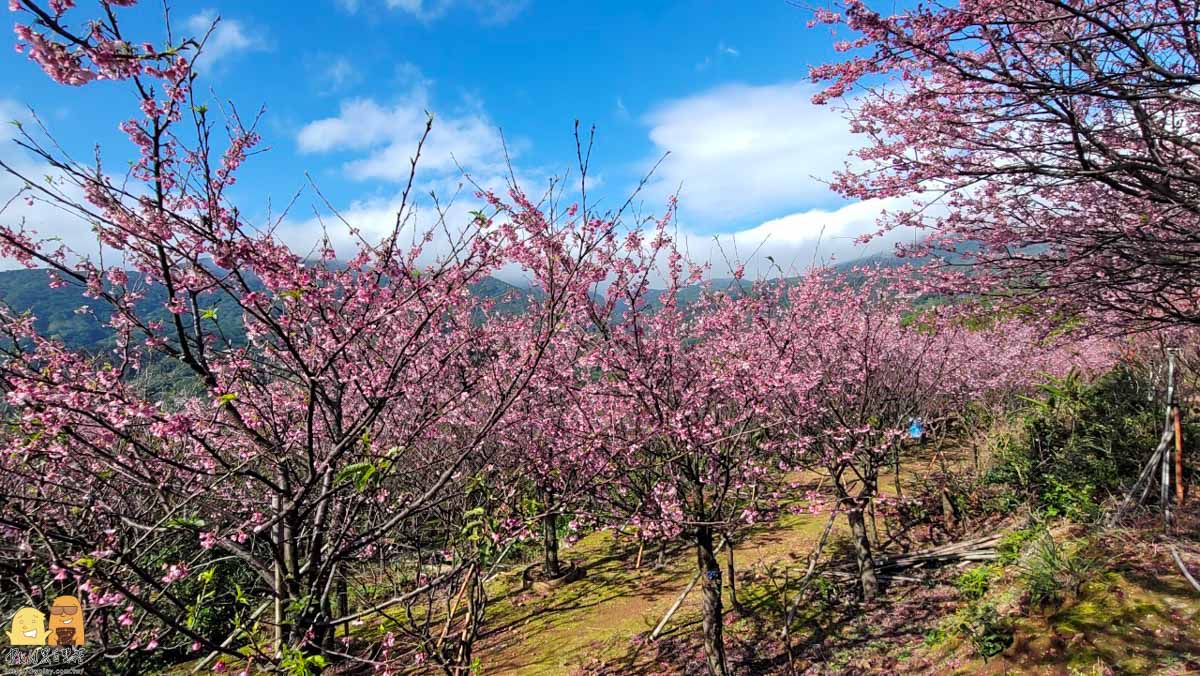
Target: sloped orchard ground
(1133, 613)
(602, 624)
(605, 619)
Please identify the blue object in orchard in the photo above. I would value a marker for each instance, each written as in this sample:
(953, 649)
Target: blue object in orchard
(916, 429)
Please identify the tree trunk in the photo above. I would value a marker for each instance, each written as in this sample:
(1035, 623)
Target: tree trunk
(550, 568)
(733, 600)
(862, 552)
(710, 572)
(896, 469)
(343, 602)
(949, 515)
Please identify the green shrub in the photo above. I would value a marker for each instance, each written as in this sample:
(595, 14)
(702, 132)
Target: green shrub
(1053, 571)
(1077, 442)
(979, 623)
(217, 596)
(935, 637)
(1008, 551)
(982, 625)
(975, 582)
(1073, 501)
(1002, 503)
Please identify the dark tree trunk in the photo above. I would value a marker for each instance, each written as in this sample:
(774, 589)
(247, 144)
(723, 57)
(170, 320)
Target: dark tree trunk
(862, 552)
(328, 633)
(949, 514)
(550, 567)
(343, 601)
(896, 469)
(710, 573)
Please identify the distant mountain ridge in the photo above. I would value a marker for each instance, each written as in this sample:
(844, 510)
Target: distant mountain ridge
(66, 314)
(58, 309)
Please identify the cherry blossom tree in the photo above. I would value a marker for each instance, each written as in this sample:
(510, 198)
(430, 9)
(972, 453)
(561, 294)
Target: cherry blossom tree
(677, 397)
(359, 405)
(866, 363)
(1050, 142)
(549, 448)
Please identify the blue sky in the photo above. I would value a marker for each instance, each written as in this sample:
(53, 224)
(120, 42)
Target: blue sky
(722, 86)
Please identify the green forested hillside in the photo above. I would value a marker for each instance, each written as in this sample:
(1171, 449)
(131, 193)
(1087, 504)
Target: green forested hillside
(67, 314)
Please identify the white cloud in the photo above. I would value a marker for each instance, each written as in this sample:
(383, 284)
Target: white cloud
(44, 219)
(338, 74)
(743, 153)
(386, 137)
(373, 219)
(229, 37)
(380, 139)
(622, 111)
(797, 240)
(488, 11)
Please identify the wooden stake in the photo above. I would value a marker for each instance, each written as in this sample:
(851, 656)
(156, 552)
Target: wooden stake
(277, 615)
(1165, 492)
(679, 601)
(1178, 460)
(1183, 569)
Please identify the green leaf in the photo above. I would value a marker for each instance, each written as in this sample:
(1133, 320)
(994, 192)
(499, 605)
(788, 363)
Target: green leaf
(360, 473)
(189, 521)
(365, 479)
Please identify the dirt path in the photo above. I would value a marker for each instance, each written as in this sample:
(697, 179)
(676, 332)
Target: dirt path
(598, 619)
(608, 615)
(599, 616)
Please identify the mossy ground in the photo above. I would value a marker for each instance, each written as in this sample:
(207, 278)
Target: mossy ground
(1135, 613)
(604, 617)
